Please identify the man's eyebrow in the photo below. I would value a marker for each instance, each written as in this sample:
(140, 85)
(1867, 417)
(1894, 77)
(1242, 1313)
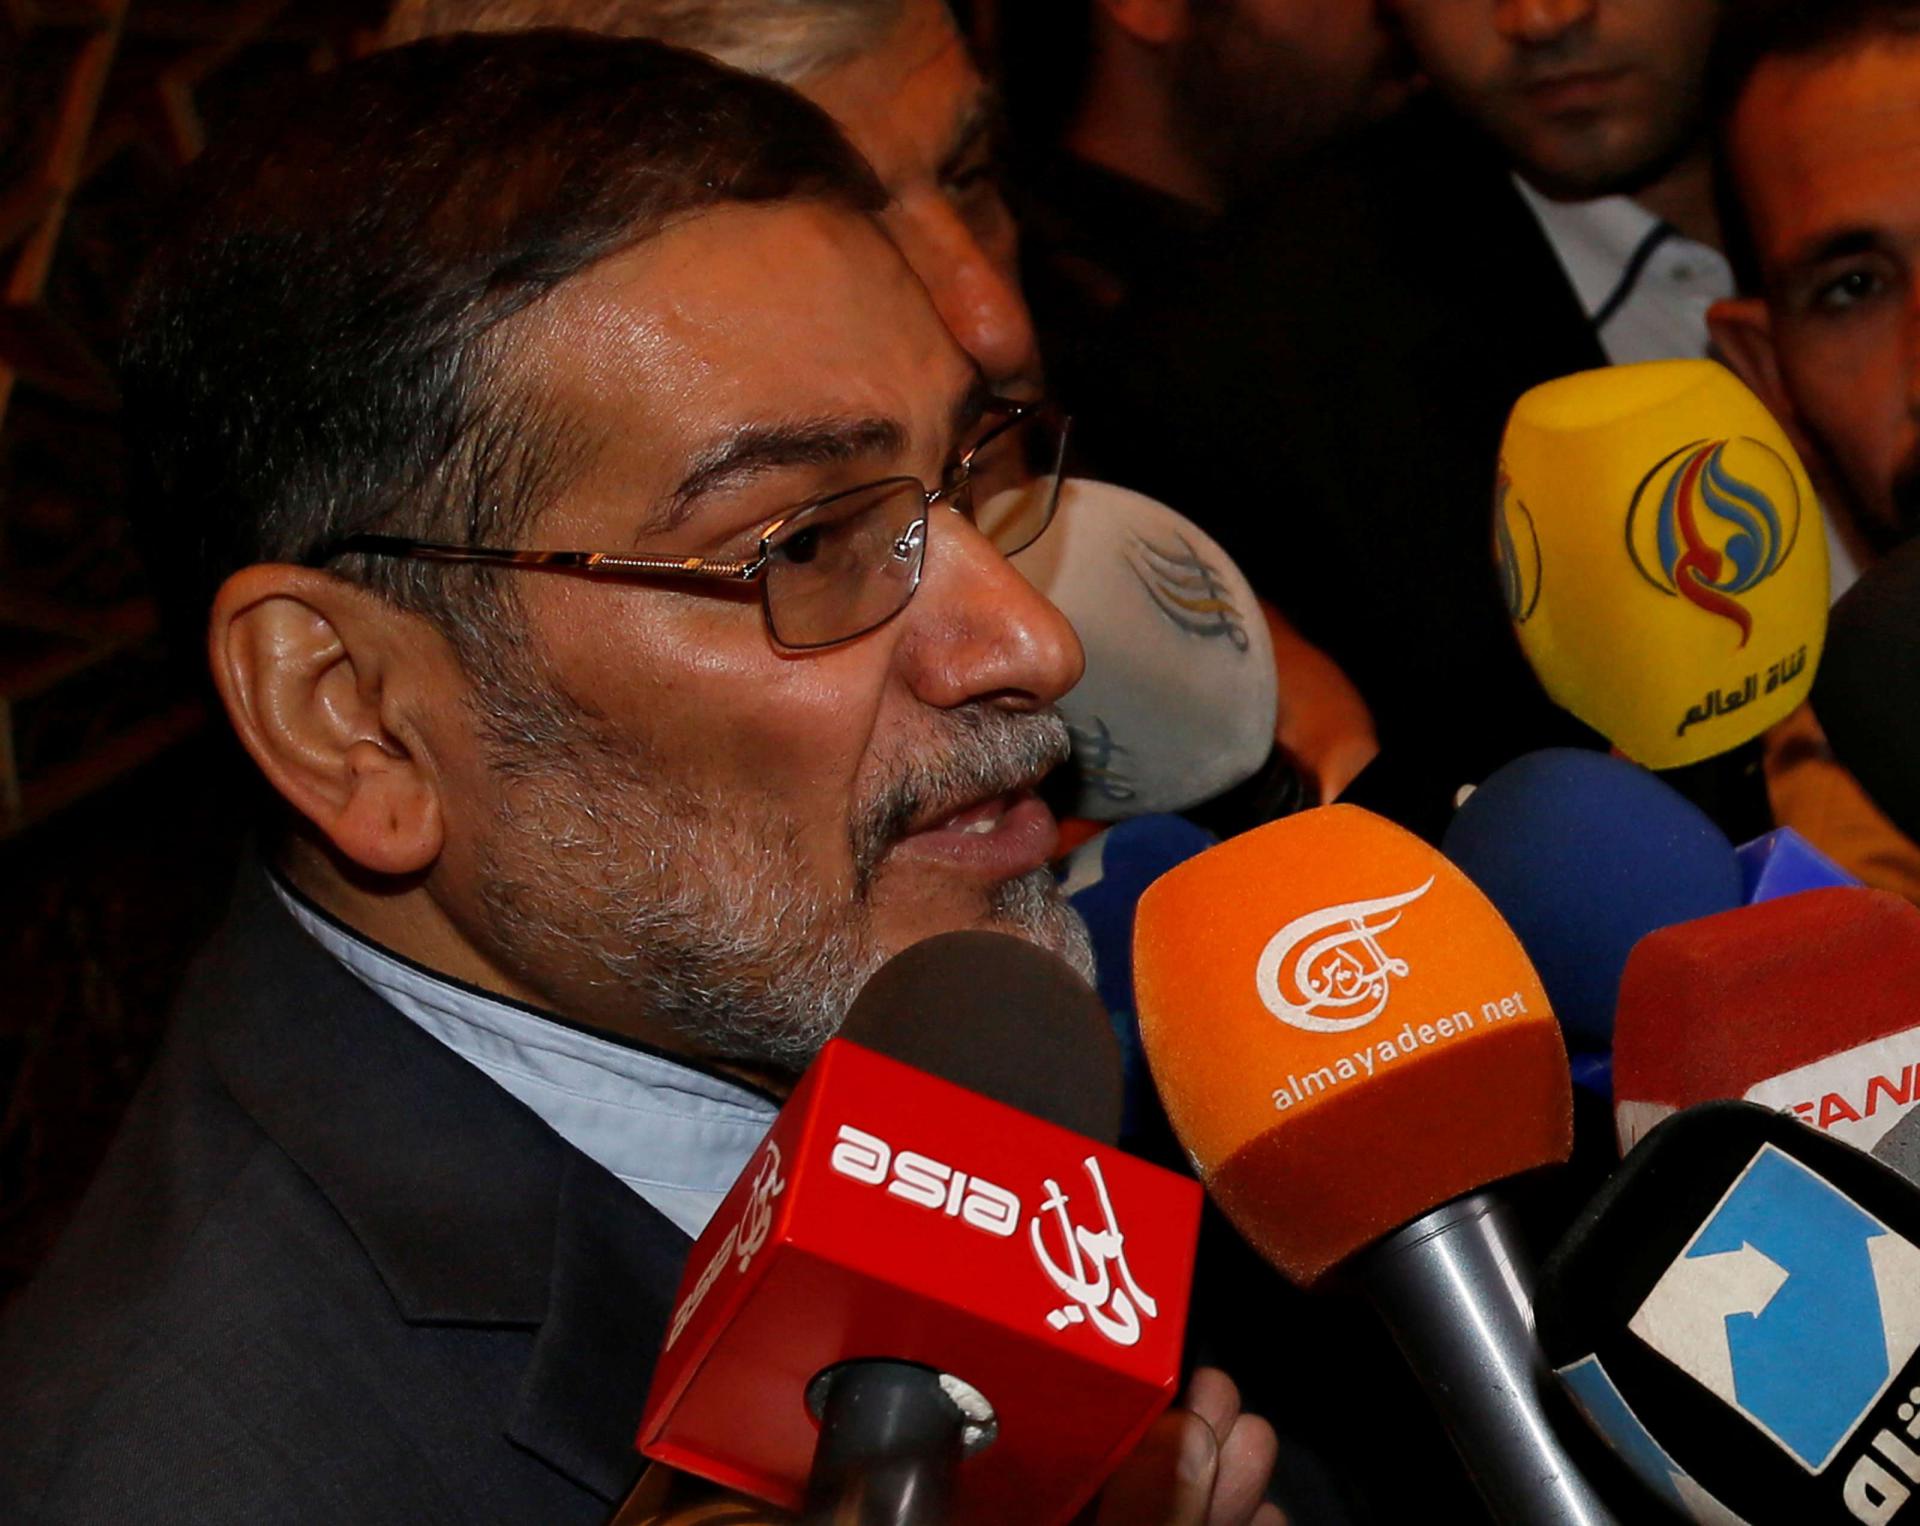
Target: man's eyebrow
(1824, 248)
(759, 448)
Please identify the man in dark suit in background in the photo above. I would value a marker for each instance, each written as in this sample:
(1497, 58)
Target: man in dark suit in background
(574, 864)
(1144, 123)
(1327, 396)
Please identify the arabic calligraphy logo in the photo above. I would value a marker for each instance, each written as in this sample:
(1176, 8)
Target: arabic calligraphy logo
(1187, 590)
(1098, 1283)
(757, 1219)
(1738, 492)
(1326, 972)
(1516, 550)
(743, 1241)
(1097, 758)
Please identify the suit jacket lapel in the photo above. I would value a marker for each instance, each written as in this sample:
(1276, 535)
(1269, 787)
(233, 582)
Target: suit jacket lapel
(472, 1210)
(614, 1273)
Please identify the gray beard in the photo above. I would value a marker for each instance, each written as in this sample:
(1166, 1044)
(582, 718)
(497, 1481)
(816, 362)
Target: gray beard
(705, 925)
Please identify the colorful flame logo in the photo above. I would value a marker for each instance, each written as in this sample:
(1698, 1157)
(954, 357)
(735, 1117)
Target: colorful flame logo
(1188, 590)
(1516, 550)
(1716, 532)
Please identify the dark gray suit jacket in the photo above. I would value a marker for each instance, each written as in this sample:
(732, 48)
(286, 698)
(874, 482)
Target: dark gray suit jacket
(331, 1272)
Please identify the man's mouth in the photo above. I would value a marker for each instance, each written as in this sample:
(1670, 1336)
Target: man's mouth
(996, 838)
(1573, 90)
(967, 804)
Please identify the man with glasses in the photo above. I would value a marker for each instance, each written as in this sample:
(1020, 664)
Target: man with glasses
(600, 546)
(835, 567)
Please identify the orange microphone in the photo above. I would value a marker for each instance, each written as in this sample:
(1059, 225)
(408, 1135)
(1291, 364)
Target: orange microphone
(1351, 1044)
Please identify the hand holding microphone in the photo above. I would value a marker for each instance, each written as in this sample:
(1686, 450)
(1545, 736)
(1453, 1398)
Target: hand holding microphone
(1205, 1462)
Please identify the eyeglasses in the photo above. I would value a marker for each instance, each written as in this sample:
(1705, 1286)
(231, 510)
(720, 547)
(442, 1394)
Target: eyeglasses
(840, 566)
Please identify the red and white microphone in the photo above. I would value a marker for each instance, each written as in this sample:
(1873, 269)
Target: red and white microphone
(1806, 1004)
(1003, 1296)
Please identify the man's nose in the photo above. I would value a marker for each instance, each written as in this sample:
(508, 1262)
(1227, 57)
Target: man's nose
(975, 292)
(1540, 21)
(978, 630)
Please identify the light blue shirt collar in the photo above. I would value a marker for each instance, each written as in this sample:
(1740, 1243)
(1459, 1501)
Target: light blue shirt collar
(676, 1135)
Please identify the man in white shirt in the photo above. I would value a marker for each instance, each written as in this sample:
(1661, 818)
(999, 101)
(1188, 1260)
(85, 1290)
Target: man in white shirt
(1330, 391)
(1597, 105)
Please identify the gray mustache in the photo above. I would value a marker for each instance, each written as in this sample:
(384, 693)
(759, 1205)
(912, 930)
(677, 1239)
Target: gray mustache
(989, 753)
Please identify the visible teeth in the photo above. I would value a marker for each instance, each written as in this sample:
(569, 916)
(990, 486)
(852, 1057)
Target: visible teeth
(980, 828)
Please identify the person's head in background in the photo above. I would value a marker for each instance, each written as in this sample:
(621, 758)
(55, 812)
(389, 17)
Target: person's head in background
(1817, 118)
(897, 76)
(1586, 98)
(1200, 99)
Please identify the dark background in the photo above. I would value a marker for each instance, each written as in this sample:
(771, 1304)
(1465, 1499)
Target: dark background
(121, 808)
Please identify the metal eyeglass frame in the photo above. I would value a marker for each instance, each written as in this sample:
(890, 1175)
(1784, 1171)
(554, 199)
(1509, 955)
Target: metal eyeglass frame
(608, 564)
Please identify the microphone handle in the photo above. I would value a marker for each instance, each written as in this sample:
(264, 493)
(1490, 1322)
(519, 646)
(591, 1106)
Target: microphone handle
(890, 1443)
(1456, 1289)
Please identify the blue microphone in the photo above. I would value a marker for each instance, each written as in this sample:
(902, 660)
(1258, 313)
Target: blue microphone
(1104, 879)
(1785, 863)
(1584, 854)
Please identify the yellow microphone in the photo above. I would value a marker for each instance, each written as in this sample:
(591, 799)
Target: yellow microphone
(1662, 555)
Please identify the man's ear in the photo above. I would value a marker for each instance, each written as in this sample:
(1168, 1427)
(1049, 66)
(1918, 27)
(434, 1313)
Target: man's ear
(1157, 22)
(321, 680)
(1742, 330)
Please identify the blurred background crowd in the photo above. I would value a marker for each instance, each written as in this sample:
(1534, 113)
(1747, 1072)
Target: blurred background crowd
(1289, 263)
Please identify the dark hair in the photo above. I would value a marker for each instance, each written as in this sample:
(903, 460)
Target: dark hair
(1043, 61)
(318, 350)
(1753, 31)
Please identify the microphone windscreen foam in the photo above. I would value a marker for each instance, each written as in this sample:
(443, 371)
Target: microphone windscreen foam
(1807, 1003)
(1001, 1017)
(1663, 557)
(1344, 1033)
(1180, 696)
(1584, 854)
(1104, 879)
(1867, 697)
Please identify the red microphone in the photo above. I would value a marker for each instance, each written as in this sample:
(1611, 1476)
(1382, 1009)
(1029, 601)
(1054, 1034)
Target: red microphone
(1805, 1004)
(925, 1293)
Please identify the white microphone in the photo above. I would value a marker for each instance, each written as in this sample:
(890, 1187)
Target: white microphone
(1180, 696)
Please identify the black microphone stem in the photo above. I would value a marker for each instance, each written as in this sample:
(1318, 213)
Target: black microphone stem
(890, 1443)
(1456, 1289)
